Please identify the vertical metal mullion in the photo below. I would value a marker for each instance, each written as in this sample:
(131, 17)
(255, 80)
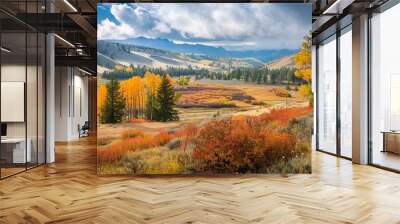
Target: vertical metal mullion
(37, 90)
(369, 88)
(338, 73)
(45, 94)
(316, 97)
(45, 88)
(26, 86)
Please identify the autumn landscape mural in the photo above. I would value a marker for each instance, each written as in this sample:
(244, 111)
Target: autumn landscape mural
(204, 88)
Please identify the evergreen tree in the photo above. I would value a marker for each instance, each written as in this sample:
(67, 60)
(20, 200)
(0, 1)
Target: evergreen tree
(114, 105)
(166, 101)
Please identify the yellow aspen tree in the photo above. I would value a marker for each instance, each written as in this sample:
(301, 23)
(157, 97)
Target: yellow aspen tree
(303, 68)
(101, 97)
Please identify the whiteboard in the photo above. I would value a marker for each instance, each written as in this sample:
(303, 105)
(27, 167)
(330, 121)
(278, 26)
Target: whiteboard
(12, 101)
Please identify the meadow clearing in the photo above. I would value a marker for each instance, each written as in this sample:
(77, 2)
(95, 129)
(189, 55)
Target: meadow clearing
(225, 126)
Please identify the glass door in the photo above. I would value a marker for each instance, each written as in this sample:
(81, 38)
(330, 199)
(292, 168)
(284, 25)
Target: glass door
(385, 89)
(326, 99)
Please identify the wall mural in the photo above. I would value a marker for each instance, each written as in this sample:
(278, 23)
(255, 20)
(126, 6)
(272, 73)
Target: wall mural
(195, 88)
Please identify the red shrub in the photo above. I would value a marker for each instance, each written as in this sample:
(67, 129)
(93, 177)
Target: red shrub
(163, 137)
(190, 131)
(239, 146)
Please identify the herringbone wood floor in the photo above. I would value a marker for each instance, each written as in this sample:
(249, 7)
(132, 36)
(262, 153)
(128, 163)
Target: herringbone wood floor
(69, 191)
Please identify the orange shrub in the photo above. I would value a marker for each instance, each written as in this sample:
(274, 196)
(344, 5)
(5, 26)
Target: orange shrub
(132, 133)
(240, 146)
(137, 120)
(115, 151)
(163, 137)
(284, 115)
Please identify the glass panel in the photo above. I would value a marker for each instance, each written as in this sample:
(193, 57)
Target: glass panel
(327, 96)
(13, 86)
(385, 83)
(32, 88)
(346, 94)
(23, 87)
(41, 99)
(31, 98)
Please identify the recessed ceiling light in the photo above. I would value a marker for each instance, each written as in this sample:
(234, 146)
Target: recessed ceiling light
(5, 49)
(64, 40)
(70, 5)
(86, 72)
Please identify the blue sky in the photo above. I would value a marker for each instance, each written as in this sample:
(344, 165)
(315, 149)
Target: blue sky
(232, 26)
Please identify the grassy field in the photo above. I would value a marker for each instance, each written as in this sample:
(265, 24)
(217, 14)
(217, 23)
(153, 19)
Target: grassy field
(224, 127)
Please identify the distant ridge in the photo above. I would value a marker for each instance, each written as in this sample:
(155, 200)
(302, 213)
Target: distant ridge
(286, 61)
(215, 52)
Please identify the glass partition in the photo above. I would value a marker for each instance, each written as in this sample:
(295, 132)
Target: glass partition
(13, 105)
(346, 93)
(31, 98)
(41, 96)
(385, 89)
(22, 88)
(327, 95)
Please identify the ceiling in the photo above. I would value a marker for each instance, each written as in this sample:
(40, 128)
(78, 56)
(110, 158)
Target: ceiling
(73, 21)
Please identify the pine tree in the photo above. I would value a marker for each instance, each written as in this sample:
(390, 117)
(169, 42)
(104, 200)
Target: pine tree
(114, 105)
(166, 101)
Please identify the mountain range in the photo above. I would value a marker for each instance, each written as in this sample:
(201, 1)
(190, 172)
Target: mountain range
(213, 52)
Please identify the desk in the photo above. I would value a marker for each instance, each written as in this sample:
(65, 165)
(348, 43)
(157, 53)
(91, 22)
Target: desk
(391, 141)
(13, 150)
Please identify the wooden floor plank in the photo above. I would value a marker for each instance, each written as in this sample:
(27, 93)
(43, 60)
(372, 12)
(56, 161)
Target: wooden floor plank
(69, 191)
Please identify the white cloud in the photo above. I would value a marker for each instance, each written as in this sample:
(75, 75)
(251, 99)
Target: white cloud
(110, 30)
(232, 25)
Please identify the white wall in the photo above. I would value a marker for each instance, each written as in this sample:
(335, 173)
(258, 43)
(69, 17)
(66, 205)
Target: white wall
(71, 102)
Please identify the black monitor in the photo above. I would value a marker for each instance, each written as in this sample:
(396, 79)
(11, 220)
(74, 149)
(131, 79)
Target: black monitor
(3, 129)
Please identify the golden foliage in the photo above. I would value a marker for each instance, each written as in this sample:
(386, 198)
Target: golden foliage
(305, 90)
(152, 82)
(101, 98)
(303, 68)
(133, 90)
(303, 60)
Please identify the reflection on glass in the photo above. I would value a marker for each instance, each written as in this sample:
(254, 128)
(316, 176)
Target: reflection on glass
(346, 94)
(15, 151)
(41, 99)
(327, 96)
(31, 97)
(385, 84)
(22, 90)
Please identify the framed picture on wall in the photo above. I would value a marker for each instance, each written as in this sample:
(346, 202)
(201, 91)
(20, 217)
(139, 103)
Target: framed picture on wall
(204, 88)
